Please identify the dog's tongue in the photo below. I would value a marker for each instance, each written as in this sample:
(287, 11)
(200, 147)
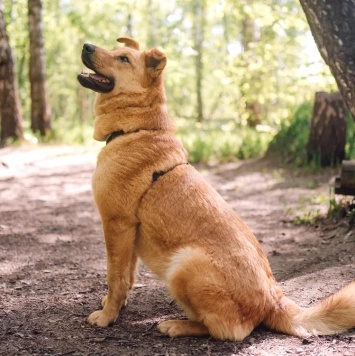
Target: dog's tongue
(96, 76)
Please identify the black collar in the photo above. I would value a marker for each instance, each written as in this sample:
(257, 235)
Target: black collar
(113, 135)
(118, 133)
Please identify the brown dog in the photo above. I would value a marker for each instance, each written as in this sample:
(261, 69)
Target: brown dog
(157, 207)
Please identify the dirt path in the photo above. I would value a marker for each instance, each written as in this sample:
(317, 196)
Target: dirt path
(52, 259)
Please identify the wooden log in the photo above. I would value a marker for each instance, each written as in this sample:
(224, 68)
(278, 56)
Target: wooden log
(327, 137)
(345, 184)
(348, 173)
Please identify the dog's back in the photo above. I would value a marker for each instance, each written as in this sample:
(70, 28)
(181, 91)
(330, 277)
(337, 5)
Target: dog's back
(156, 206)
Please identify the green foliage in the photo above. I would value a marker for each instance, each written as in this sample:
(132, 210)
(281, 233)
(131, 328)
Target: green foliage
(275, 70)
(290, 142)
(221, 140)
(340, 209)
(350, 138)
(308, 218)
(311, 208)
(336, 209)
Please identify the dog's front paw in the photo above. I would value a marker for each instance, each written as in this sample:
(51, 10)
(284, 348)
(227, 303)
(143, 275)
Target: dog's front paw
(100, 318)
(104, 299)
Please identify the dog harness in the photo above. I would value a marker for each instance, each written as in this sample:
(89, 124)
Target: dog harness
(157, 174)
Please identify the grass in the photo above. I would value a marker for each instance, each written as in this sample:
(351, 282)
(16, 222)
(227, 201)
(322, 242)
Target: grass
(63, 133)
(311, 208)
(339, 209)
(311, 211)
(222, 140)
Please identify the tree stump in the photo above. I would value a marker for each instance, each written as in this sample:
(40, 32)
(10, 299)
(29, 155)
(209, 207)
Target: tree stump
(326, 143)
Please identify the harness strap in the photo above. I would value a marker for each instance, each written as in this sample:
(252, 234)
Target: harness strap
(155, 176)
(158, 174)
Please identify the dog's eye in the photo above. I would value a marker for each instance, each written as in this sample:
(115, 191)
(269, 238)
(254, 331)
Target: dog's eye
(123, 59)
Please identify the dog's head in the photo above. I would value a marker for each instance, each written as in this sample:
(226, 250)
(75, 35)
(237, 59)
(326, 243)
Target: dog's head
(121, 70)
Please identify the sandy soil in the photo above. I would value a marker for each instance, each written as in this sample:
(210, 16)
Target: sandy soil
(52, 259)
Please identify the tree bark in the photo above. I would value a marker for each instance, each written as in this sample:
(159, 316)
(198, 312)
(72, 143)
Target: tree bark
(152, 25)
(199, 28)
(10, 110)
(40, 109)
(332, 26)
(327, 138)
(251, 35)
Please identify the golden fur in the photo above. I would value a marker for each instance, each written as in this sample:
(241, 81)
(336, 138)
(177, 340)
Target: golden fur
(178, 224)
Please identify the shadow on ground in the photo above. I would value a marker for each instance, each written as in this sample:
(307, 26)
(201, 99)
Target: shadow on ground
(53, 267)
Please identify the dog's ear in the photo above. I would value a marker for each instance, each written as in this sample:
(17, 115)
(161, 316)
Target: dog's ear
(155, 62)
(129, 42)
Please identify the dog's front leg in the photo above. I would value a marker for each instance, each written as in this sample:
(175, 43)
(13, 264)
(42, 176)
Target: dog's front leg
(120, 239)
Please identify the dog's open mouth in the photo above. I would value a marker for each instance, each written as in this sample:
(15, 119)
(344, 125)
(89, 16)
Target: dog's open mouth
(96, 81)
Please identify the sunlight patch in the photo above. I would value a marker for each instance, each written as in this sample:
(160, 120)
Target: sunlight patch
(54, 238)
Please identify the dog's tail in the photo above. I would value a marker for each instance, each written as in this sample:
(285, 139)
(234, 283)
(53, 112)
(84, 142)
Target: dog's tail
(332, 315)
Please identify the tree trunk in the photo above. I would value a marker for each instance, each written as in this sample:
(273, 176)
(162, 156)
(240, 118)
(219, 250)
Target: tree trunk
(251, 35)
(40, 109)
(327, 139)
(332, 26)
(10, 110)
(199, 27)
(152, 25)
(130, 25)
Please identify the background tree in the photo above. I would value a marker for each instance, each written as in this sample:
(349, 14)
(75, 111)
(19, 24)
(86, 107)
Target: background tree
(327, 139)
(250, 36)
(40, 109)
(280, 70)
(332, 26)
(10, 110)
(198, 36)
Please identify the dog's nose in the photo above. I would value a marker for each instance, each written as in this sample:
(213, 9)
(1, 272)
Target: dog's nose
(88, 48)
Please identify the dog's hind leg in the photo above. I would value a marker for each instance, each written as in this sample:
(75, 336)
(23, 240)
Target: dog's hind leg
(121, 261)
(200, 287)
(133, 269)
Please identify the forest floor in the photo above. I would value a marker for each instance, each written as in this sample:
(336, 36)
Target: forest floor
(53, 264)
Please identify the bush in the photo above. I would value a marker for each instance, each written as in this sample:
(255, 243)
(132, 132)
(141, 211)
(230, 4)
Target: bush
(350, 138)
(290, 142)
(221, 140)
